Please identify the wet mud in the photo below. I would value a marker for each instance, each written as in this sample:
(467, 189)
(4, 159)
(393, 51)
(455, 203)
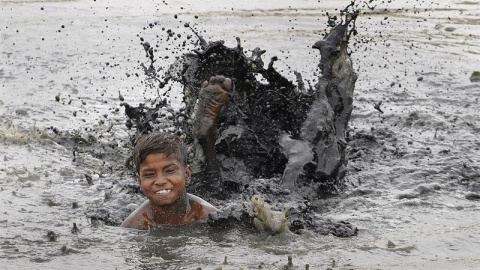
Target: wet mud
(403, 179)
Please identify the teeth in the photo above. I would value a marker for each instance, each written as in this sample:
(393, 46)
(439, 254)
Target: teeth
(164, 191)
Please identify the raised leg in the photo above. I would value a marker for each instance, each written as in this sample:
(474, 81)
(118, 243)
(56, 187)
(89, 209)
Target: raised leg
(212, 97)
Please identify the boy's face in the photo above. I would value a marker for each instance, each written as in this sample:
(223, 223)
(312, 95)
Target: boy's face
(163, 179)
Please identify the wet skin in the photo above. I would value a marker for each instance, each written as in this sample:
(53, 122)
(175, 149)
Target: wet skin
(212, 97)
(163, 180)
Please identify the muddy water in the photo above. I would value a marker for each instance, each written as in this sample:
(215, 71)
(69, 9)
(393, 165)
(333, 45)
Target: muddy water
(413, 184)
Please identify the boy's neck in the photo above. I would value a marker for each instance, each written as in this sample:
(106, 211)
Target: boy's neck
(171, 214)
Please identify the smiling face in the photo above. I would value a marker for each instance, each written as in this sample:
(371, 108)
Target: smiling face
(163, 179)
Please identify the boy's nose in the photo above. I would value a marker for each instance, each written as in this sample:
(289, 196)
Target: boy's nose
(160, 180)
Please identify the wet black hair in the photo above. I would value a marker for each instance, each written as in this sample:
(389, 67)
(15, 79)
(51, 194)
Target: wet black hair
(159, 142)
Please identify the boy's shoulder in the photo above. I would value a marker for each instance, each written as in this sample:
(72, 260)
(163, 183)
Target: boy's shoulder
(202, 207)
(138, 219)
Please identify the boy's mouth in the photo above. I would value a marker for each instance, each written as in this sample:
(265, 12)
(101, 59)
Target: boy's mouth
(163, 191)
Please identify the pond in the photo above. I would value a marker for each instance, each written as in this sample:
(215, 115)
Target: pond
(413, 175)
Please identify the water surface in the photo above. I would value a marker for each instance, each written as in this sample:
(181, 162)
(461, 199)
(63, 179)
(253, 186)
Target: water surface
(413, 183)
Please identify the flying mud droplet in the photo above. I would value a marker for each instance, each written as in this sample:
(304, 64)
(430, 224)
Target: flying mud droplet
(120, 97)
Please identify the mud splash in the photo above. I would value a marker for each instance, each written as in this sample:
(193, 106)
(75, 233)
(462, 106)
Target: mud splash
(265, 110)
(293, 135)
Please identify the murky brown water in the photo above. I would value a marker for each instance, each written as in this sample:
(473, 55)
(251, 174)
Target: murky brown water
(413, 183)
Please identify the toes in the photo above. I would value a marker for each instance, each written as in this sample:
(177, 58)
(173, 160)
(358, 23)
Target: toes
(225, 83)
(204, 84)
(217, 79)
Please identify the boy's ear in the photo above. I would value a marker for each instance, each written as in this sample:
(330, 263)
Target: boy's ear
(188, 174)
(139, 180)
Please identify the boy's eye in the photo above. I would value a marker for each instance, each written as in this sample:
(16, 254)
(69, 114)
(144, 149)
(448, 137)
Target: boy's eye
(148, 175)
(170, 171)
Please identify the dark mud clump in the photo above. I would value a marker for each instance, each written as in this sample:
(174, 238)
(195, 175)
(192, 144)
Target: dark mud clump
(255, 116)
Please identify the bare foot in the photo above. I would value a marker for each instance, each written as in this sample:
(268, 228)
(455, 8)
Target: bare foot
(212, 97)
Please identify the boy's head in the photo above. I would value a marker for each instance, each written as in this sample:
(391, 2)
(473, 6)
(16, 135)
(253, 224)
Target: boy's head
(158, 142)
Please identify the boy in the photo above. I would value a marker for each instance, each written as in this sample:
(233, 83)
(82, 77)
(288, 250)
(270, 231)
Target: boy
(163, 174)
(162, 171)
